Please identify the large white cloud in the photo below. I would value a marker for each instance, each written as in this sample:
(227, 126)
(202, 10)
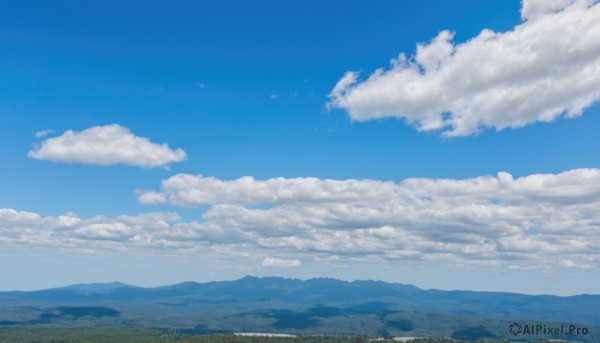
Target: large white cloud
(546, 67)
(106, 145)
(145, 234)
(195, 190)
(578, 185)
(537, 219)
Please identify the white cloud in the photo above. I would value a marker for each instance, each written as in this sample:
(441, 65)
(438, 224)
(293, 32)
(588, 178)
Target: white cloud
(280, 263)
(148, 233)
(546, 67)
(44, 133)
(534, 9)
(196, 190)
(105, 231)
(536, 221)
(150, 197)
(573, 265)
(106, 145)
(478, 220)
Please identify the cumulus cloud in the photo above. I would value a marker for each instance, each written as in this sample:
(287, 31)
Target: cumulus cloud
(150, 197)
(196, 190)
(534, 221)
(546, 67)
(540, 219)
(144, 232)
(280, 263)
(106, 145)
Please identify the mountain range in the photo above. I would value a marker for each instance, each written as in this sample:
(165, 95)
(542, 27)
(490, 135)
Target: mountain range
(320, 305)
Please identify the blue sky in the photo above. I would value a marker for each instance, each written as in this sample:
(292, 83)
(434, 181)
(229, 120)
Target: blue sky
(247, 89)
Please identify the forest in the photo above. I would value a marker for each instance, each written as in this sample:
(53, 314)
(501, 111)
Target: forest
(40, 334)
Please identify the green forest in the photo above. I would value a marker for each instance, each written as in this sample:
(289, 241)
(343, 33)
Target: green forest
(134, 335)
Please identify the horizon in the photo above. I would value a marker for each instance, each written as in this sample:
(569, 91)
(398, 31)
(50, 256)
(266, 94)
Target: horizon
(446, 145)
(290, 278)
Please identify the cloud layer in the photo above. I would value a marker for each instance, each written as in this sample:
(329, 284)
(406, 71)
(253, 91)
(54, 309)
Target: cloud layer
(546, 67)
(106, 145)
(537, 219)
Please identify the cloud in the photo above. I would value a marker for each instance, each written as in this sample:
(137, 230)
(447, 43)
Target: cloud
(546, 67)
(147, 233)
(188, 190)
(536, 220)
(280, 263)
(150, 197)
(106, 145)
(41, 134)
(573, 265)
(196, 190)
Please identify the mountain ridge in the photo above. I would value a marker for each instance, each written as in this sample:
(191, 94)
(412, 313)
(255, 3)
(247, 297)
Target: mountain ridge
(118, 284)
(290, 293)
(287, 305)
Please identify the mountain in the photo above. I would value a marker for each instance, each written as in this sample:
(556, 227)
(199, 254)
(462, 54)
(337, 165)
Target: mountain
(280, 304)
(93, 287)
(331, 292)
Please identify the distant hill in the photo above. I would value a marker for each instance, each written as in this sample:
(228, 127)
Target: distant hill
(92, 287)
(277, 304)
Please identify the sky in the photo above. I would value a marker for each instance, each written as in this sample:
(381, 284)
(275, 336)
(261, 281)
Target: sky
(445, 144)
